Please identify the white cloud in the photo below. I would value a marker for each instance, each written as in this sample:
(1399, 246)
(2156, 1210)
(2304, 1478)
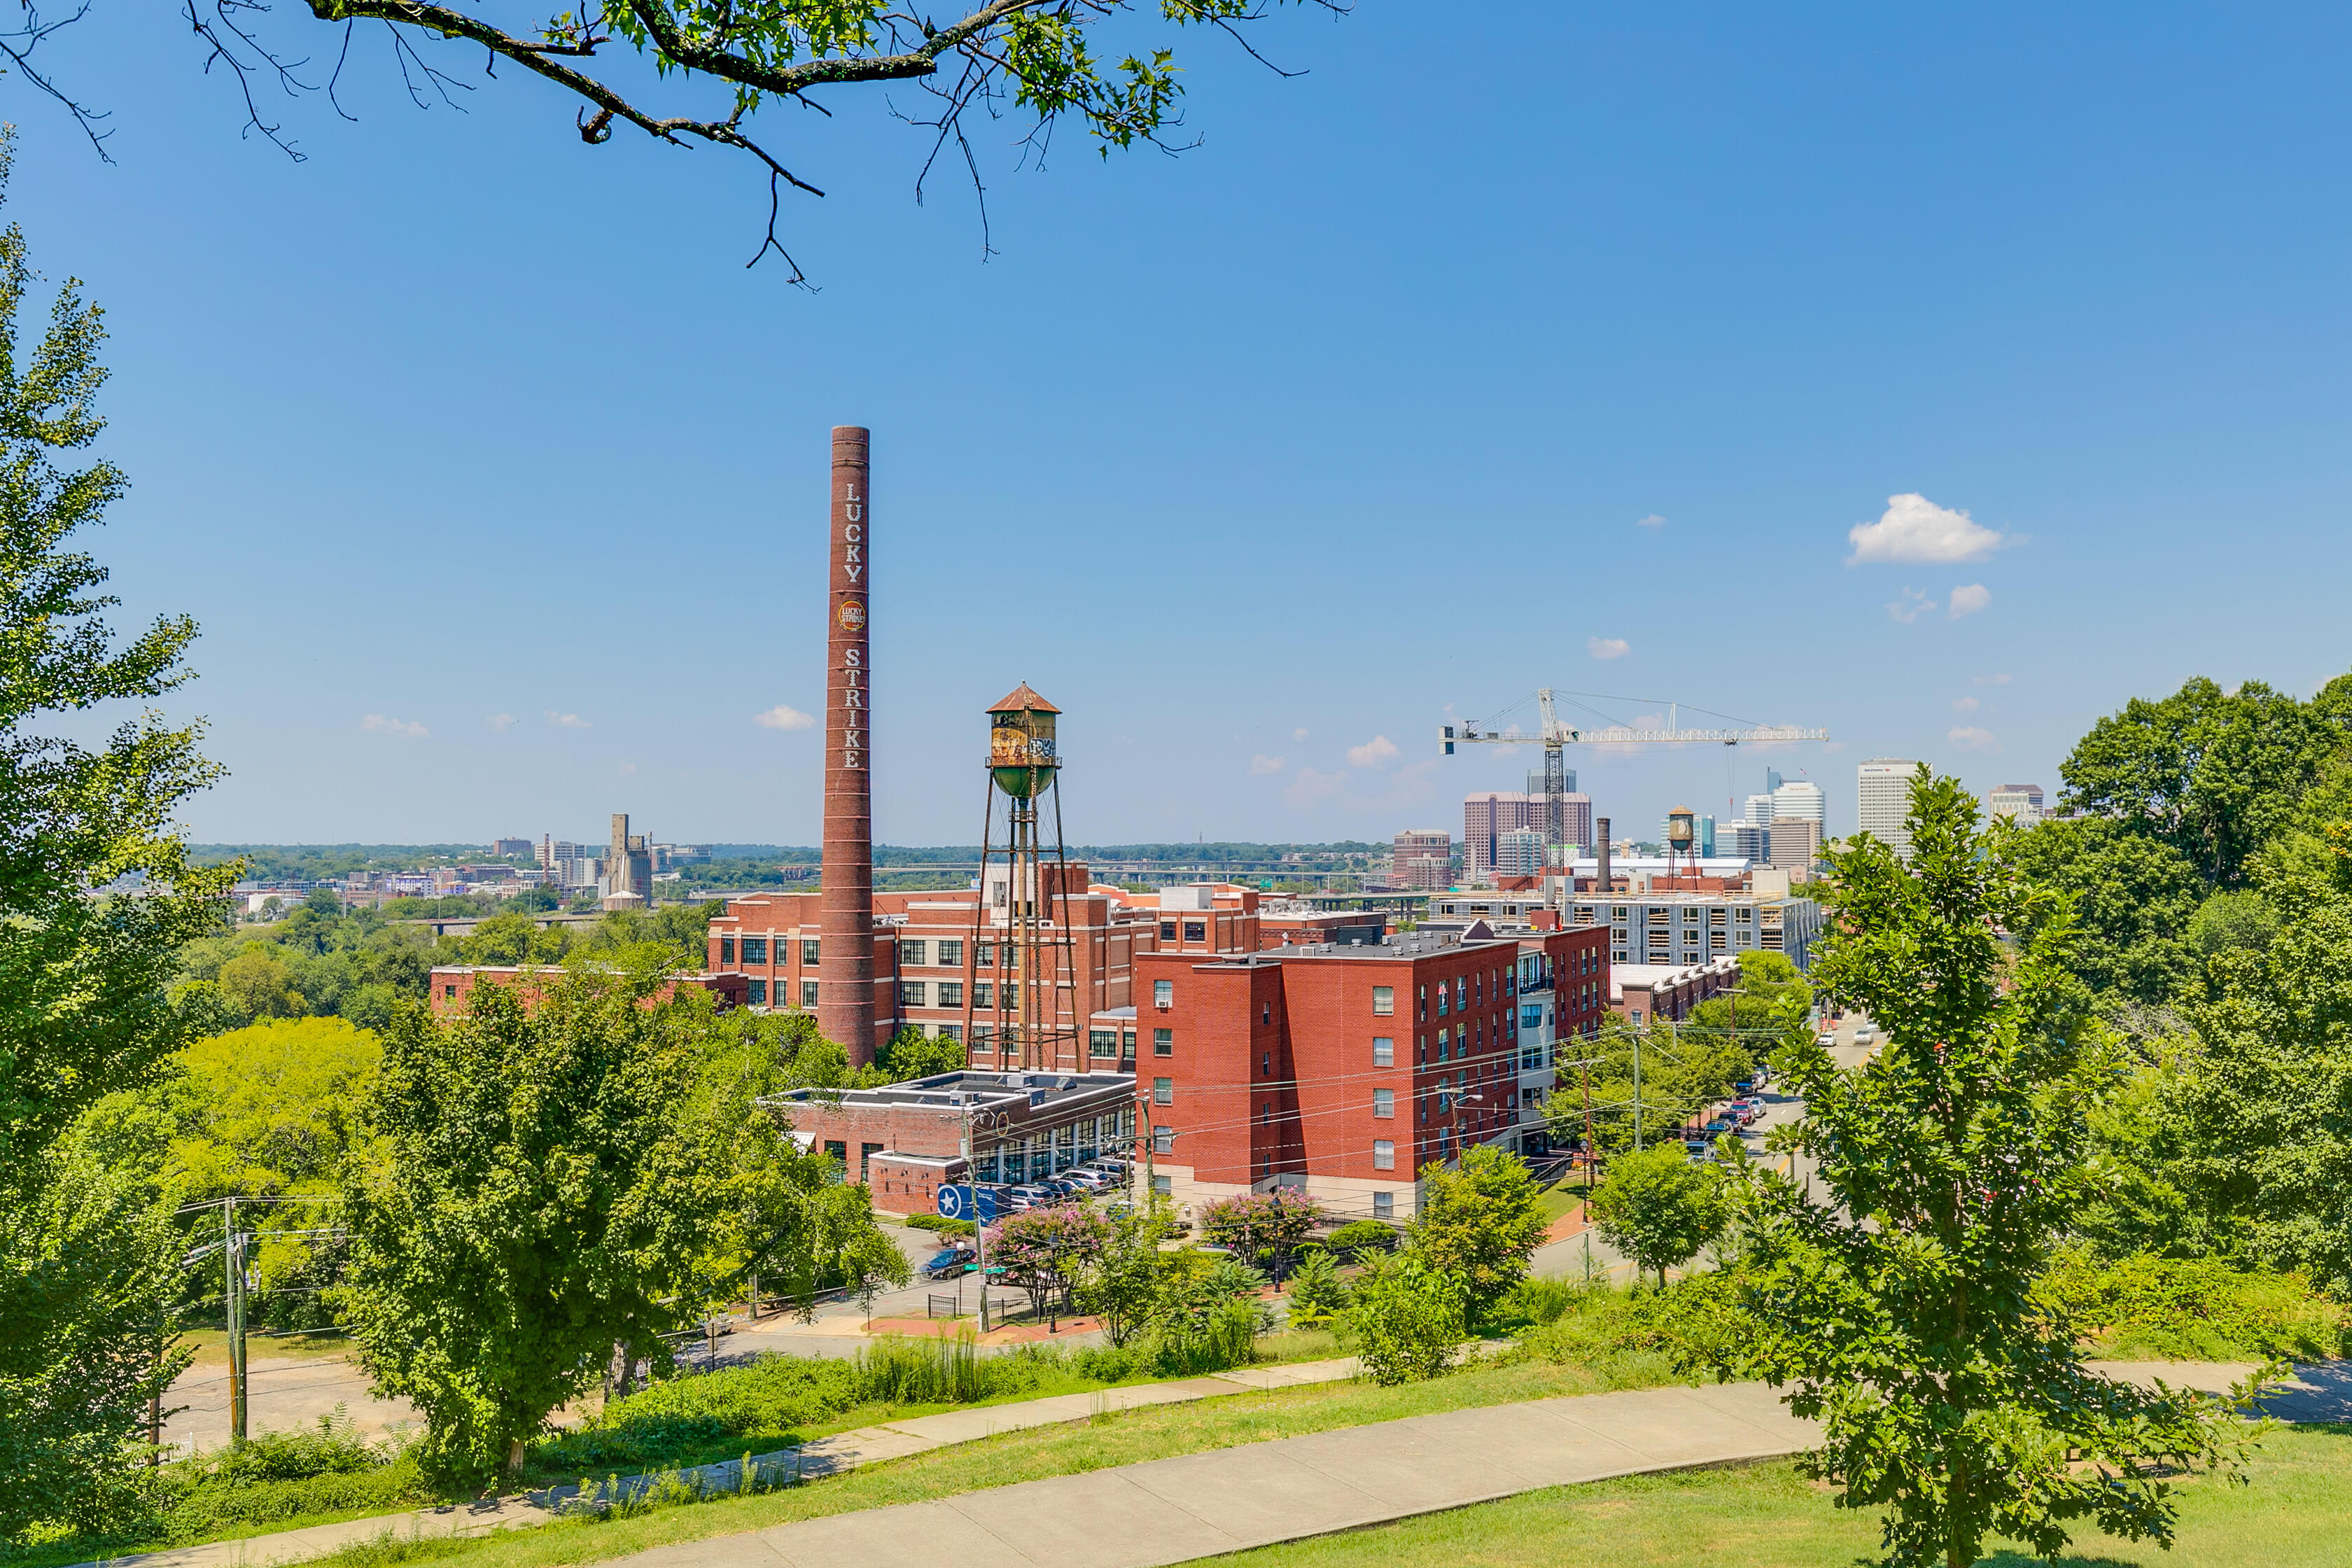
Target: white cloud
(377, 724)
(1916, 528)
(1607, 647)
(1374, 753)
(1968, 600)
(1965, 704)
(1262, 764)
(783, 717)
(1652, 521)
(1914, 604)
(1968, 738)
(568, 721)
(1992, 681)
(500, 721)
(1310, 786)
(1299, 734)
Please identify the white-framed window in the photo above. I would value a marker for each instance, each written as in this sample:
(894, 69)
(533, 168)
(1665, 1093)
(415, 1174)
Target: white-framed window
(1383, 1051)
(1163, 1142)
(1385, 1205)
(1163, 993)
(1385, 1103)
(1163, 1091)
(1383, 1155)
(808, 994)
(1383, 1001)
(1164, 1185)
(1163, 1042)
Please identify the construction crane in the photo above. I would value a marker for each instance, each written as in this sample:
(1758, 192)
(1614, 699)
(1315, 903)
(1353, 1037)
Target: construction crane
(1554, 736)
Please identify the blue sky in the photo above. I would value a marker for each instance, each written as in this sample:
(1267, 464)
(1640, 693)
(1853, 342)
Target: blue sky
(1260, 461)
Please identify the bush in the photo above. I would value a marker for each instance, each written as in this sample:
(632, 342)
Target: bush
(941, 1223)
(277, 1476)
(2195, 1309)
(1317, 1293)
(897, 1371)
(1639, 1337)
(1539, 1301)
(1407, 1321)
(1361, 1236)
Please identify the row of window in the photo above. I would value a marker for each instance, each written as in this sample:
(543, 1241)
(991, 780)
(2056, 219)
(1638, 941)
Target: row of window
(1194, 931)
(914, 951)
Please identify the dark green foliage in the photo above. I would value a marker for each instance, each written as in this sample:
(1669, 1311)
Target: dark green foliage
(2198, 1309)
(1359, 1237)
(1901, 1301)
(1657, 1208)
(84, 1261)
(1479, 1224)
(2134, 898)
(911, 1055)
(2214, 775)
(544, 1185)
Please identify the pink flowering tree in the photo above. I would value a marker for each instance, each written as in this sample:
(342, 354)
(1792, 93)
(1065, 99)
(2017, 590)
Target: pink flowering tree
(1276, 1222)
(1048, 1251)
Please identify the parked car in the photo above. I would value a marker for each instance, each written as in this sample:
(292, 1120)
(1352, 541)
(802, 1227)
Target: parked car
(1091, 1181)
(946, 1263)
(1745, 1087)
(1028, 1196)
(1718, 1126)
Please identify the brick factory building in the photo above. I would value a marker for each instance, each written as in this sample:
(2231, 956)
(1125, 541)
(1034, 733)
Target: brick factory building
(1343, 1070)
(453, 984)
(905, 1142)
(1646, 994)
(931, 969)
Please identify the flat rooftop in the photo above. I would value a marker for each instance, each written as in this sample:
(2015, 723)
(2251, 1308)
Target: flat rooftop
(968, 1087)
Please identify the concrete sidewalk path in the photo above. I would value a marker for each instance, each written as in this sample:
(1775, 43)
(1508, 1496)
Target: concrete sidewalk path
(807, 1461)
(1229, 1499)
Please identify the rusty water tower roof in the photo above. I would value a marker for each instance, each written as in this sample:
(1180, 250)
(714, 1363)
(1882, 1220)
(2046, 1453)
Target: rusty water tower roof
(1021, 699)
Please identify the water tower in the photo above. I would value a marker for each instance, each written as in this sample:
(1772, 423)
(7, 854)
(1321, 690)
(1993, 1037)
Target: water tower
(1682, 838)
(1021, 929)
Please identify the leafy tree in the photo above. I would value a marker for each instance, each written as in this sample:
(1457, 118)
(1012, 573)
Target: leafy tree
(1407, 1320)
(1657, 1208)
(1318, 1294)
(1480, 1224)
(1268, 1224)
(912, 1054)
(86, 1264)
(2211, 774)
(2231, 922)
(542, 1184)
(513, 937)
(1096, 62)
(1126, 1285)
(1901, 1304)
(2133, 895)
(1047, 1252)
(258, 983)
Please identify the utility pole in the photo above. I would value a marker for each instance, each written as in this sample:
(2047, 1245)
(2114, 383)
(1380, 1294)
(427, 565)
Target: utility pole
(1637, 1090)
(233, 1252)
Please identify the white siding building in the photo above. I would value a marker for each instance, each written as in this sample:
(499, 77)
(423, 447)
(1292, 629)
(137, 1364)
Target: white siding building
(1883, 786)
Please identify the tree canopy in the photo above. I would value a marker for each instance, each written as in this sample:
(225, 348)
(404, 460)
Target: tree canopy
(688, 72)
(1902, 1302)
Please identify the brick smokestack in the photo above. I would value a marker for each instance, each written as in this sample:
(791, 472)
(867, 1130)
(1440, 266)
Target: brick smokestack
(844, 1010)
(1601, 872)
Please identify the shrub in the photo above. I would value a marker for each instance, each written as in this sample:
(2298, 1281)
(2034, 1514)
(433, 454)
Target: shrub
(2192, 1309)
(1539, 1301)
(1361, 1236)
(1406, 1322)
(1318, 1295)
(941, 1223)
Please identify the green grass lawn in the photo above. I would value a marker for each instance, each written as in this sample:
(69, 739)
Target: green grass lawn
(1561, 1197)
(1124, 1439)
(2297, 1513)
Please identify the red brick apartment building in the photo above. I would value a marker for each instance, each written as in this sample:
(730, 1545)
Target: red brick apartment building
(931, 962)
(1344, 1069)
